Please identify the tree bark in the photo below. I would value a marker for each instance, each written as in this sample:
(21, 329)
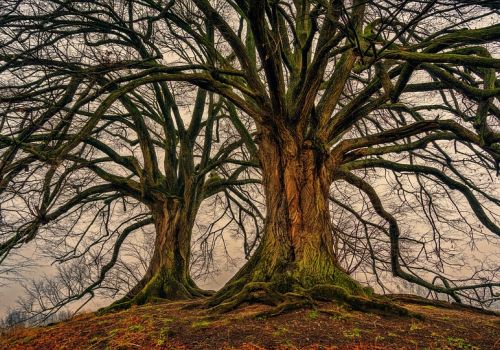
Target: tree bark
(296, 252)
(167, 276)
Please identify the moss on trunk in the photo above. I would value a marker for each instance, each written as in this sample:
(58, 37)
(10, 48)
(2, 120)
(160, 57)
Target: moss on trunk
(294, 265)
(167, 276)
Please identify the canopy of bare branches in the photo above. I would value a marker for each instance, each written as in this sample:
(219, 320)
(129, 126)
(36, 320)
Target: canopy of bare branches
(337, 140)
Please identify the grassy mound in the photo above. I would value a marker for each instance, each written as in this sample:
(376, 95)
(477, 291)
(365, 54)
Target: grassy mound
(328, 326)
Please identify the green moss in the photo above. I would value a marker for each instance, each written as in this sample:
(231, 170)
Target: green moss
(327, 292)
(121, 304)
(284, 283)
(291, 285)
(136, 328)
(369, 291)
(162, 286)
(227, 291)
(313, 314)
(353, 333)
(200, 324)
(459, 343)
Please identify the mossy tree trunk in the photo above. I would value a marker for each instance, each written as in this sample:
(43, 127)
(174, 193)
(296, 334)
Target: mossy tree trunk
(173, 199)
(167, 276)
(296, 254)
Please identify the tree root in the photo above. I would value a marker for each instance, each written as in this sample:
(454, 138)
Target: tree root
(415, 299)
(291, 303)
(266, 293)
(259, 292)
(159, 289)
(121, 304)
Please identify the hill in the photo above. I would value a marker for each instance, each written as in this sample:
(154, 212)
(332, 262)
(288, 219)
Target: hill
(177, 326)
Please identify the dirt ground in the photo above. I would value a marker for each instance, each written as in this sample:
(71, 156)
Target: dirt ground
(173, 326)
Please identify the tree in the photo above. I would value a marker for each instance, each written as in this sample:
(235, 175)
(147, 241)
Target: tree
(91, 152)
(329, 86)
(337, 90)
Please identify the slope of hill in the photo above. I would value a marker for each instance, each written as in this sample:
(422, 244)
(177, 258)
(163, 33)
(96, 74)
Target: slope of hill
(174, 326)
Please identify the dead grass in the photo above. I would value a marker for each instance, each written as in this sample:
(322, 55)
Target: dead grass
(170, 326)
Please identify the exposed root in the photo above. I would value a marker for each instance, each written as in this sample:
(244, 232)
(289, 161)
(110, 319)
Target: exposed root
(267, 293)
(292, 302)
(162, 287)
(257, 292)
(195, 304)
(415, 299)
(228, 292)
(372, 303)
(204, 293)
(121, 304)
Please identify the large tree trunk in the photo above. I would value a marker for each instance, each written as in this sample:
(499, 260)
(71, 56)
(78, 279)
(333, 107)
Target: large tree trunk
(296, 255)
(167, 276)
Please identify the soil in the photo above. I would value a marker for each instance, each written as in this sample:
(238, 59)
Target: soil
(178, 326)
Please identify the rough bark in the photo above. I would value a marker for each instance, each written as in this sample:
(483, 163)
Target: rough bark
(295, 263)
(167, 276)
(298, 241)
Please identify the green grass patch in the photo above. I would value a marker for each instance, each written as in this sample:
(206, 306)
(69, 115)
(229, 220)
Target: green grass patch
(27, 339)
(136, 328)
(459, 343)
(200, 324)
(115, 331)
(163, 335)
(415, 327)
(280, 331)
(353, 333)
(313, 314)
